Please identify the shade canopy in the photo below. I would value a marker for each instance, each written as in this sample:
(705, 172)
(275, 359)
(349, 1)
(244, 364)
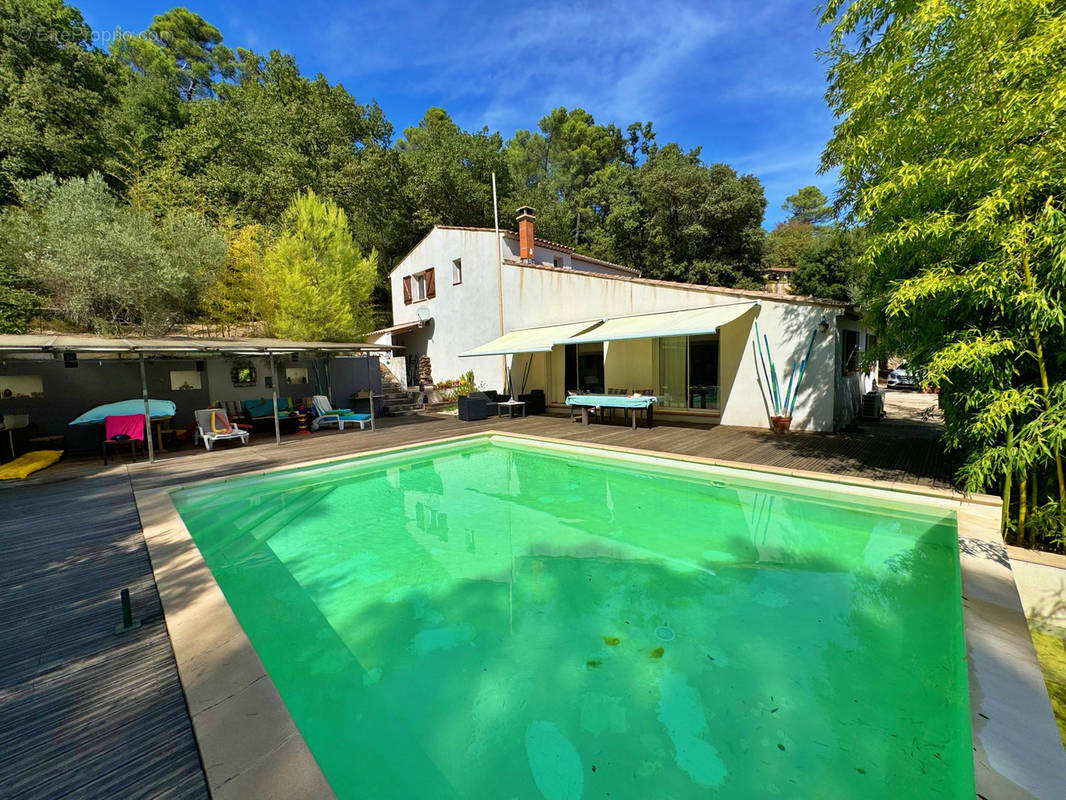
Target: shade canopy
(530, 340)
(175, 345)
(687, 322)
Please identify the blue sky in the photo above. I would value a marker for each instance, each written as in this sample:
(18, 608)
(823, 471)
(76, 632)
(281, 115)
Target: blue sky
(738, 77)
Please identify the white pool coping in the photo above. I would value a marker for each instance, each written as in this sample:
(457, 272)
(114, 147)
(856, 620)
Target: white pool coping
(250, 746)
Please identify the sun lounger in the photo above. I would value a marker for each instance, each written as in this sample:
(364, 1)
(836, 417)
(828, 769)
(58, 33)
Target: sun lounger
(213, 425)
(327, 415)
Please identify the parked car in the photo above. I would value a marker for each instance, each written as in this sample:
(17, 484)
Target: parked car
(900, 378)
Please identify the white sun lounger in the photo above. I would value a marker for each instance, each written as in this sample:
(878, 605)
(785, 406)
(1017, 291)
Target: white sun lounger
(327, 415)
(213, 425)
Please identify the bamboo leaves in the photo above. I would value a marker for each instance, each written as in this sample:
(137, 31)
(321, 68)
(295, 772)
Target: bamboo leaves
(952, 151)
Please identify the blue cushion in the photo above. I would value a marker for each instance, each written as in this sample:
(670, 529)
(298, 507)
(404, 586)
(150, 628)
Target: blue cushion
(262, 407)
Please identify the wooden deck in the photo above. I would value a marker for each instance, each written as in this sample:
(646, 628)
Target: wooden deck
(85, 713)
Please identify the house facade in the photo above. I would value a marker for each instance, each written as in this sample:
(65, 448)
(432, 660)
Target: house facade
(540, 316)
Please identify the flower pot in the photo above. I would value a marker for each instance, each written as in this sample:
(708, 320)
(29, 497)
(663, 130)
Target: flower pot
(780, 424)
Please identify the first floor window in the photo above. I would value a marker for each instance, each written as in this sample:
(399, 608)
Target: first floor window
(420, 286)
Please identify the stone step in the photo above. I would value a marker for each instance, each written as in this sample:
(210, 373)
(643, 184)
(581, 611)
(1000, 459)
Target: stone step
(394, 407)
(407, 412)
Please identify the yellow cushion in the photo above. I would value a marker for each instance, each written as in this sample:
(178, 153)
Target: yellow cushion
(28, 463)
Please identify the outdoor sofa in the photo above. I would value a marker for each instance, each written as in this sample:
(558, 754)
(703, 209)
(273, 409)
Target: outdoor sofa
(260, 411)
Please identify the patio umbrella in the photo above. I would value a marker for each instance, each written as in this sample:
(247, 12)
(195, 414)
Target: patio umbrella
(157, 408)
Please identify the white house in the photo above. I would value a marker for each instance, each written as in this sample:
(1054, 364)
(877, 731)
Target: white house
(541, 316)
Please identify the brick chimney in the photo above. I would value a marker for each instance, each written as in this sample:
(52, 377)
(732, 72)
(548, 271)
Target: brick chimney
(525, 234)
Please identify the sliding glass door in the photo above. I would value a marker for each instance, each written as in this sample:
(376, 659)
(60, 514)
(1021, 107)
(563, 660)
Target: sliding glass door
(688, 371)
(584, 367)
(673, 372)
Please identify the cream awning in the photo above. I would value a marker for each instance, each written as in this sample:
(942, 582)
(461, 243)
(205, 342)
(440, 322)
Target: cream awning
(530, 340)
(687, 322)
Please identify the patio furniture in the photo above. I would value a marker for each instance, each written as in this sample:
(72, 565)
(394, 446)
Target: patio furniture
(536, 402)
(213, 425)
(260, 410)
(236, 412)
(575, 408)
(472, 408)
(57, 442)
(160, 431)
(126, 429)
(9, 422)
(609, 411)
(512, 406)
(334, 416)
(492, 402)
(589, 403)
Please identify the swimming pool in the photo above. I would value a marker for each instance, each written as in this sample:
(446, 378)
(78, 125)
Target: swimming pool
(505, 619)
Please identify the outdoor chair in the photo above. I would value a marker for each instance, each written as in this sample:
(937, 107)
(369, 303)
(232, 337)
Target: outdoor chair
(492, 404)
(126, 429)
(213, 425)
(472, 408)
(334, 416)
(609, 412)
(535, 401)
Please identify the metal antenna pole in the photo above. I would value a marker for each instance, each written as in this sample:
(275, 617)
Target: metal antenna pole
(274, 386)
(370, 389)
(499, 271)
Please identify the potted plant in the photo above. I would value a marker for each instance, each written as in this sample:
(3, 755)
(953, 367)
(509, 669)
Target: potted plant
(782, 405)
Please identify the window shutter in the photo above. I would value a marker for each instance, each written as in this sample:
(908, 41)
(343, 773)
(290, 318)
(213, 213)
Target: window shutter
(431, 284)
(407, 290)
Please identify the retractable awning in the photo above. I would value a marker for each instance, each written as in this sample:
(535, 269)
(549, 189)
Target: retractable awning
(687, 322)
(530, 340)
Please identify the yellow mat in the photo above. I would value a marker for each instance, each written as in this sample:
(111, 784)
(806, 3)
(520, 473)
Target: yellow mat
(28, 463)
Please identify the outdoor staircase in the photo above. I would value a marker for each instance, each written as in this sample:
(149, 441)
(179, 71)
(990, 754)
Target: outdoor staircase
(395, 400)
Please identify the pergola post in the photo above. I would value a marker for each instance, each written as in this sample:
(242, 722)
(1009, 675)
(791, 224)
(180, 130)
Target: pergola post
(274, 386)
(370, 387)
(147, 412)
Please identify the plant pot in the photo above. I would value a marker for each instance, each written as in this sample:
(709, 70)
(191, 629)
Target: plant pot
(780, 424)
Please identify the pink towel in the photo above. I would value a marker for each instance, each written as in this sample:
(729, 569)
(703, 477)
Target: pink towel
(132, 425)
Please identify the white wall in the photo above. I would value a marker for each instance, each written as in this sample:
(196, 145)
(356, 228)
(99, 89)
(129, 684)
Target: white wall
(467, 315)
(543, 297)
(463, 316)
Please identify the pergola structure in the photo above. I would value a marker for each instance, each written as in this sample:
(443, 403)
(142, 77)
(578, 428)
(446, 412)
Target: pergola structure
(141, 348)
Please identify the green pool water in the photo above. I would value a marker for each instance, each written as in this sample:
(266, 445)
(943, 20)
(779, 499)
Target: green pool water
(500, 620)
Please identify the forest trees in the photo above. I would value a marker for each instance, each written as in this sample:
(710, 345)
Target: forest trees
(950, 149)
(823, 255)
(103, 265)
(314, 282)
(178, 125)
(57, 94)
